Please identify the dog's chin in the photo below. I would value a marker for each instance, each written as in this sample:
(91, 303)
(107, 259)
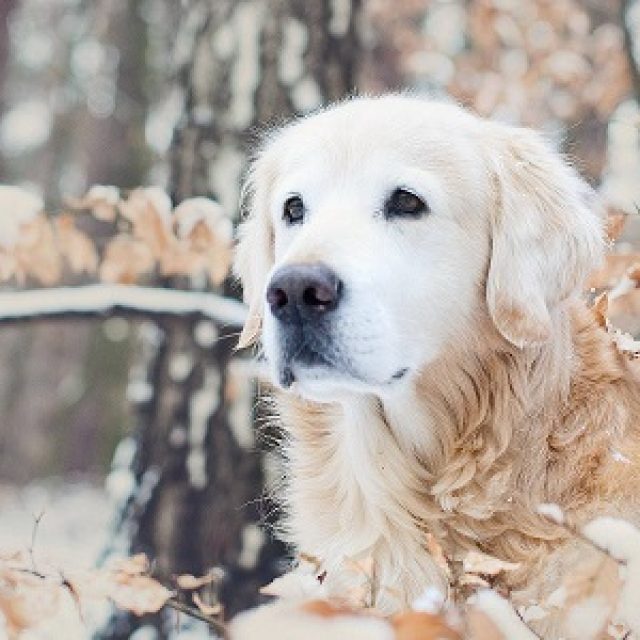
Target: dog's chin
(325, 383)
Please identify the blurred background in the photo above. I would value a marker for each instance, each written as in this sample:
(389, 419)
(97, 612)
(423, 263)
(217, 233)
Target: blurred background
(103, 420)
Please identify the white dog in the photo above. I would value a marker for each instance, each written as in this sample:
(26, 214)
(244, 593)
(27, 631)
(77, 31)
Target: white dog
(415, 272)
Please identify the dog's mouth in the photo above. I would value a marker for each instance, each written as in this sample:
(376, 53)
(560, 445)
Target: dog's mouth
(311, 360)
(304, 357)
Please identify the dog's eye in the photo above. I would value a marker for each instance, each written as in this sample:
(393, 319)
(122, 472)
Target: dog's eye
(404, 203)
(293, 210)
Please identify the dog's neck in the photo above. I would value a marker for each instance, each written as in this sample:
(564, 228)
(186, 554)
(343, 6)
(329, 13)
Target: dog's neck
(467, 451)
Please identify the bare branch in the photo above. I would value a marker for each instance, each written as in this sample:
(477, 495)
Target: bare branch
(102, 299)
(194, 612)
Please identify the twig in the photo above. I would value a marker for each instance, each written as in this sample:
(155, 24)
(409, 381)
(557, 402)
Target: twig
(34, 533)
(194, 612)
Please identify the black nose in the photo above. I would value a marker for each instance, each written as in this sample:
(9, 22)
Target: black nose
(303, 290)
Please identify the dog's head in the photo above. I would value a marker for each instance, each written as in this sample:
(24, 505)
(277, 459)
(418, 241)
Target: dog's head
(381, 229)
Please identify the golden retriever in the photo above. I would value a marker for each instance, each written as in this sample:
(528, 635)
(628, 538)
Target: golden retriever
(414, 275)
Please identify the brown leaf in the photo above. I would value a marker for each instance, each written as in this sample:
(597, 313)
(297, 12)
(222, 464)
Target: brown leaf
(149, 210)
(207, 609)
(418, 625)
(125, 260)
(485, 565)
(8, 265)
(75, 246)
(250, 331)
(138, 594)
(624, 312)
(37, 253)
(615, 225)
(189, 582)
(327, 609)
(133, 566)
(615, 267)
(600, 308)
(101, 199)
(595, 580)
(480, 626)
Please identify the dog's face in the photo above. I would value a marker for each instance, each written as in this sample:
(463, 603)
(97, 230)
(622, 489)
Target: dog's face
(383, 229)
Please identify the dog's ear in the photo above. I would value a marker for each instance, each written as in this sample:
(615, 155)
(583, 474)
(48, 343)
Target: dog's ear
(547, 235)
(254, 249)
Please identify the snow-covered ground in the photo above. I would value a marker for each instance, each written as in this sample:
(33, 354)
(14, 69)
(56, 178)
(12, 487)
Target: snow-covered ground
(67, 525)
(73, 525)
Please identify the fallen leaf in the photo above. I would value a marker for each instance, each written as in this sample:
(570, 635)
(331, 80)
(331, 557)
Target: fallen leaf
(485, 565)
(125, 260)
(207, 609)
(189, 582)
(75, 246)
(101, 199)
(480, 626)
(418, 625)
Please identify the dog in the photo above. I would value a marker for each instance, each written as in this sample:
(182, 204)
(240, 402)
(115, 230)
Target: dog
(414, 275)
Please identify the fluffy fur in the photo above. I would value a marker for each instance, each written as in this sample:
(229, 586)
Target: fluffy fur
(514, 397)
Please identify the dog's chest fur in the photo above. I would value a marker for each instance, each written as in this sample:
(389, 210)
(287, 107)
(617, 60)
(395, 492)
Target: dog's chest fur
(468, 464)
(356, 494)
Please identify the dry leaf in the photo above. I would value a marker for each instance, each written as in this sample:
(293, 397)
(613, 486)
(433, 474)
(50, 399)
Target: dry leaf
(138, 594)
(600, 308)
(624, 312)
(327, 609)
(616, 265)
(189, 582)
(251, 331)
(418, 625)
(292, 585)
(480, 626)
(125, 260)
(207, 609)
(485, 565)
(133, 566)
(36, 252)
(615, 225)
(75, 246)
(101, 199)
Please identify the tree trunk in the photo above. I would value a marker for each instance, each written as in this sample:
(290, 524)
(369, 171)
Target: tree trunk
(199, 477)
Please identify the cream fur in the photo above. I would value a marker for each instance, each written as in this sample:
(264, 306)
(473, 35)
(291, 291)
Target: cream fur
(515, 395)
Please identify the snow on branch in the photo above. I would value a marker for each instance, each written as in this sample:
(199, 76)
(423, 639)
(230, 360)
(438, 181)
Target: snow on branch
(112, 299)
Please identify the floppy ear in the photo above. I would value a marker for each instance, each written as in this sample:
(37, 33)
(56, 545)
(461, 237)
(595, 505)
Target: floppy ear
(254, 249)
(547, 235)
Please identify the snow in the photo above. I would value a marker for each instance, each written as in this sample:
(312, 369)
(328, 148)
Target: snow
(282, 621)
(205, 334)
(502, 615)
(203, 404)
(587, 618)
(194, 210)
(103, 298)
(622, 541)
(25, 127)
(431, 600)
(17, 206)
(247, 19)
(73, 529)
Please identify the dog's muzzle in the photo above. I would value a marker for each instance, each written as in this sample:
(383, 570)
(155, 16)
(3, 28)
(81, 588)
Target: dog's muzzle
(303, 299)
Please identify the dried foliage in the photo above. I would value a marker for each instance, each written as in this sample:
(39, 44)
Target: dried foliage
(145, 238)
(536, 62)
(41, 597)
